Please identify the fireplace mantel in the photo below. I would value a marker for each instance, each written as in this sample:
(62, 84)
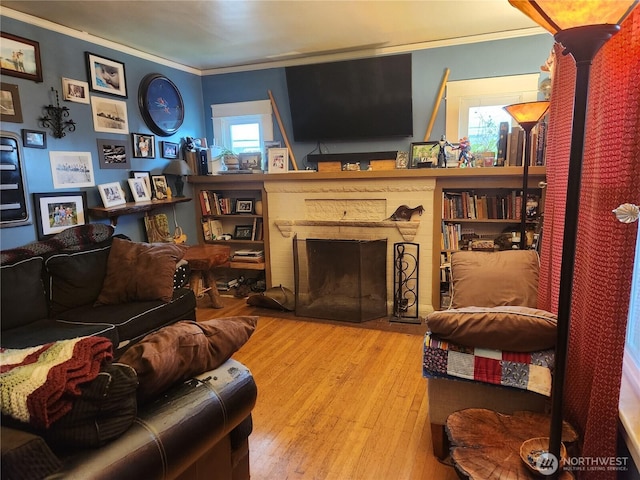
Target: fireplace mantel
(407, 229)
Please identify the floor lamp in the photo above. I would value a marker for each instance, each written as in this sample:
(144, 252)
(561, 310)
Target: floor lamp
(527, 115)
(582, 28)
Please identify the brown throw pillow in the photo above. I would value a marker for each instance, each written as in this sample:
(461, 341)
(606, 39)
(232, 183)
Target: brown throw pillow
(139, 271)
(184, 349)
(512, 329)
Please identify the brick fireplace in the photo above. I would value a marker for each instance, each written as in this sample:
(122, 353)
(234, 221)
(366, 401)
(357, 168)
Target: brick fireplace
(350, 209)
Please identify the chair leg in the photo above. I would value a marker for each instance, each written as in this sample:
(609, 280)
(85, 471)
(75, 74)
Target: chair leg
(440, 441)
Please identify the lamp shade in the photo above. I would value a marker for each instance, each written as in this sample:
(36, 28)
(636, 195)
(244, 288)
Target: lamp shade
(177, 167)
(558, 15)
(528, 113)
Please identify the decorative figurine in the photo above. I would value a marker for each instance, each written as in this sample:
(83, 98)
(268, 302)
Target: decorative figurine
(464, 160)
(442, 153)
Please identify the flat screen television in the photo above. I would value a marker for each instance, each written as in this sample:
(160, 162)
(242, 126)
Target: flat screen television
(348, 100)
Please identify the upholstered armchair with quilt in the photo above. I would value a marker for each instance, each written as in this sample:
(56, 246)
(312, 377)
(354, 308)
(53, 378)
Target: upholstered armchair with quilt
(493, 348)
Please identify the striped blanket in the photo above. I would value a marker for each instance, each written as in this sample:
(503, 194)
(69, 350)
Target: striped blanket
(38, 384)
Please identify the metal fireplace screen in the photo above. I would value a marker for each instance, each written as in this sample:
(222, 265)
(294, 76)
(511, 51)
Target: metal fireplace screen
(341, 279)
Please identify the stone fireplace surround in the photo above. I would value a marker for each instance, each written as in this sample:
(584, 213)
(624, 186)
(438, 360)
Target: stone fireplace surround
(348, 209)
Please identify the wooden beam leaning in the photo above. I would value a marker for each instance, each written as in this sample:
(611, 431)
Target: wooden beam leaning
(437, 105)
(282, 130)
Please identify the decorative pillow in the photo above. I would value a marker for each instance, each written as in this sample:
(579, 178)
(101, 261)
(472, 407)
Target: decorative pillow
(491, 279)
(139, 271)
(184, 349)
(508, 328)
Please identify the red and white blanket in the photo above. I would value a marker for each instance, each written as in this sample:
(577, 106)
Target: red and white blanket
(38, 384)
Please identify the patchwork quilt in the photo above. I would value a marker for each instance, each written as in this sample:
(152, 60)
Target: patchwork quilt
(524, 370)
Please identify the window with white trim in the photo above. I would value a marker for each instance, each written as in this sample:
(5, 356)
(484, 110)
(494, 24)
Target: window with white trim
(242, 126)
(474, 107)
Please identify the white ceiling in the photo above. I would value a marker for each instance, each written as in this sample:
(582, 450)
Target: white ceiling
(209, 35)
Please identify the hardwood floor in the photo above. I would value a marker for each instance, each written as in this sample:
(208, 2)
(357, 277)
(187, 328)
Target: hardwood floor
(336, 400)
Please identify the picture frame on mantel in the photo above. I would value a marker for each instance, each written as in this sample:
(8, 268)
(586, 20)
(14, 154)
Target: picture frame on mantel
(278, 160)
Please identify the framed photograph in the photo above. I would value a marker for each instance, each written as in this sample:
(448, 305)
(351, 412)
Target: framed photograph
(402, 159)
(278, 160)
(112, 194)
(10, 109)
(146, 176)
(75, 90)
(423, 155)
(58, 211)
(34, 138)
(159, 186)
(109, 116)
(161, 104)
(20, 57)
(139, 190)
(113, 154)
(243, 232)
(250, 161)
(71, 169)
(144, 145)
(170, 150)
(244, 205)
(106, 75)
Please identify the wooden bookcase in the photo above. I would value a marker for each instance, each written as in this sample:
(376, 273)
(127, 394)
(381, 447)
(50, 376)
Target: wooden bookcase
(232, 193)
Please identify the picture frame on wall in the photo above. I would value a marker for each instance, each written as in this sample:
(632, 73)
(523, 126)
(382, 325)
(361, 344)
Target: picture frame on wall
(144, 145)
(139, 190)
(109, 116)
(75, 90)
(58, 211)
(113, 153)
(112, 194)
(71, 169)
(170, 150)
(34, 138)
(278, 160)
(11, 110)
(20, 57)
(106, 75)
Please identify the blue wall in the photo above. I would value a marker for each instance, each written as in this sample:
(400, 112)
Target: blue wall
(478, 60)
(63, 56)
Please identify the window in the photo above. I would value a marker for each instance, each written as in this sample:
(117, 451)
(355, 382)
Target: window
(474, 107)
(242, 127)
(632, 346)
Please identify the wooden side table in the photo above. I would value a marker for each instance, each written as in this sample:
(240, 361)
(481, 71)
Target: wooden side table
(485, 445)
(202, 260)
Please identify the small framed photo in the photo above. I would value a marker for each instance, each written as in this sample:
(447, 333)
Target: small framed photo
(170, 150)
(34, 138)
(113, 153)
(109, 116)
(250, 161)
(244, 205)
(71, 169)
(159, 186)
(10, 108)
(146, 176)
(144, 145)
(243, 232)
(278, 160)
(423, 155)
(402, 160)
(106, 75)
(139, 190)
(56, 212)
(112, 194)
(75, 90)
(20, 57)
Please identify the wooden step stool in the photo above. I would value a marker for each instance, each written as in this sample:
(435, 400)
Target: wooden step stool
(202, 260)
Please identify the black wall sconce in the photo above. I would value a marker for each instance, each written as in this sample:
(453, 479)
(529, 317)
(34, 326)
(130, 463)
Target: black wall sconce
(55, 118)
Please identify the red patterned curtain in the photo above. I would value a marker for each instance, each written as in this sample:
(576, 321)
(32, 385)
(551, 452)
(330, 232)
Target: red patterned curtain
(605, 247)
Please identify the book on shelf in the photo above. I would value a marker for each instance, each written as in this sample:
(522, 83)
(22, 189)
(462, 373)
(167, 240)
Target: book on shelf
(503, 133)
(248, 255)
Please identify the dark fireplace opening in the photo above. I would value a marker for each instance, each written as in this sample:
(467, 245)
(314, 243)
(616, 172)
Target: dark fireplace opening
(341, 279)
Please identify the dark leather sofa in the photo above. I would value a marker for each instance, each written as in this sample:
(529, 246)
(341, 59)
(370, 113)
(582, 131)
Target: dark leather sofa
(195, 429)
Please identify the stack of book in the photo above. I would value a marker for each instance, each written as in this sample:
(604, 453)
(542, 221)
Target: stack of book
(247, 257)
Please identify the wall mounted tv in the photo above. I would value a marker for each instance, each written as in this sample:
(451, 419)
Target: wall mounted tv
(349, 100)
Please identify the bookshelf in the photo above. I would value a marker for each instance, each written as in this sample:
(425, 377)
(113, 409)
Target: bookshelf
(234, 214)
(480, 215)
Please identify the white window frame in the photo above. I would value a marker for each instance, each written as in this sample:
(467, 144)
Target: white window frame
(226, 114)
(464, 94)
